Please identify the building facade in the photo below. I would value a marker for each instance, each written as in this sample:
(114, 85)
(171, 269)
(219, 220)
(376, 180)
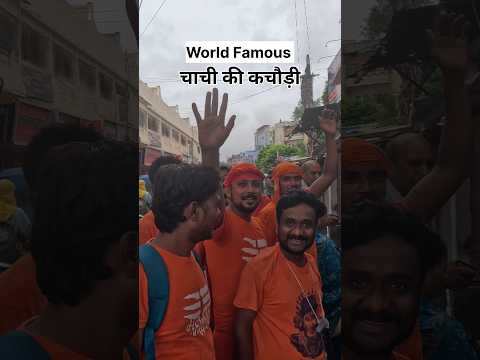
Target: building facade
(263, 137)
(249, 156)
(60, 69)
(163, 131)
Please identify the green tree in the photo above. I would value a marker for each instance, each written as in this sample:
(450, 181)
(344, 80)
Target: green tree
(268, 155)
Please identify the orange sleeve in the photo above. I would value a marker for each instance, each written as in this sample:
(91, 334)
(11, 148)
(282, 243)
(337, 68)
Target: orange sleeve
(268, 223)
(147, 229)
(250, 290)
(143, 298)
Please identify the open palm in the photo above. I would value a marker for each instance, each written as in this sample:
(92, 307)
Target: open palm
(212, 131)
(328, 123)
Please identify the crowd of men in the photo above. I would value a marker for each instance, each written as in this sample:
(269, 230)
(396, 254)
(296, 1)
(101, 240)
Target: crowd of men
(225, 271)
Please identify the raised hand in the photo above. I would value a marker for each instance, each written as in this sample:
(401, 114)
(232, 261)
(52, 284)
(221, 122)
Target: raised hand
(328, 122)
(448, 42)
(212, 131)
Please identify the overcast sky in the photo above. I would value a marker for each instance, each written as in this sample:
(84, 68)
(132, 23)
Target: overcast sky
(162, 53)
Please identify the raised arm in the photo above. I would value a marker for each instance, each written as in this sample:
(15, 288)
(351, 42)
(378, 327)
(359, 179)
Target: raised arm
(449, 49)
(329, 126)
(212, 131)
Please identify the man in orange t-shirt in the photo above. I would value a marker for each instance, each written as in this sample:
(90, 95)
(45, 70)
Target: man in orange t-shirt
(236, 242)
(147, 229)
(279, 309)
(92, 290)
(187, 208)
(21, 297)
(288, 176)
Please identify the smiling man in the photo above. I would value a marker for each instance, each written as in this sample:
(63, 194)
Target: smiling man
(385, 258)
(280, 313)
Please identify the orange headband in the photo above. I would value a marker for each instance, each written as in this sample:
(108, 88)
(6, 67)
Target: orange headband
(242, 171)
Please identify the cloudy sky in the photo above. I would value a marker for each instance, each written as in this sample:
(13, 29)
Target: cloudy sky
(162, 53)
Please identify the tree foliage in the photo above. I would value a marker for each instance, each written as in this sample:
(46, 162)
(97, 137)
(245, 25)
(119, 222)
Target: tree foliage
(267, 158)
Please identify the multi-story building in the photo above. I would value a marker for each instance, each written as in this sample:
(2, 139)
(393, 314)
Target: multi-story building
(263, 137)
(282, 133)
(56, 67)
(163, 131)
(249, 156)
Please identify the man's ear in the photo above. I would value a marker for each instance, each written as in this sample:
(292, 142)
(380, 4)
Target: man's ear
(193, 212)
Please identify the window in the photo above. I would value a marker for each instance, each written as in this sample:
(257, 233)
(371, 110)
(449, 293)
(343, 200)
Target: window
(86, 74)
(106, 87)
(8, 33)
(63, 62)
(165, 130)
(184, 141)
(152, 123)
(34, 46)
(142, 119)
(175, 135)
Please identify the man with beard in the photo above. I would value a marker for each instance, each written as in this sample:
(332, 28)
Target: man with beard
(240, 237)
(287, 176)
(364, 168)
(235, 243)
(186, 209)
(385, 259)
(279, 309)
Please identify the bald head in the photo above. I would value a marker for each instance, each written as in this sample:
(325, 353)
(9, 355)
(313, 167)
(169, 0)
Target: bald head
(311, 171)
(411, 158)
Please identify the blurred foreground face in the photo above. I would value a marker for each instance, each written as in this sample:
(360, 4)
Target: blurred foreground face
(296, 229)
(290, 182)
(380, 296)
(362, 182)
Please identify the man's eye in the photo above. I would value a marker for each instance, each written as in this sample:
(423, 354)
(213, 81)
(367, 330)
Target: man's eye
(399, 286)
(358, 284)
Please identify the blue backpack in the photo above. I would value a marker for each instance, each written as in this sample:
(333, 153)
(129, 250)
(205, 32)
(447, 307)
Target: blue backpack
(158, 292)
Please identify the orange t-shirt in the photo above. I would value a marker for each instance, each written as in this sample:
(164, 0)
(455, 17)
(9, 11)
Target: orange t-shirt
(412, 348)
(60, 352)
(268, 220)
(185, 332)
(147, 228)
(285, 324)
(233, 245)
(263, 202)
(20, 298)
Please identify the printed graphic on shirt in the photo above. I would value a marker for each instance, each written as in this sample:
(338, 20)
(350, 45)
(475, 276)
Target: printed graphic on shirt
(254, 248)
(197, 314)
(308, 342)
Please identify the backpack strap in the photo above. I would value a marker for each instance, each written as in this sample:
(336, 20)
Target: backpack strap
(21, 346)
(158, 291)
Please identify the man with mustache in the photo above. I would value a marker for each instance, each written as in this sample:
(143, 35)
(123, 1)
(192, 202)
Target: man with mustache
(287, 176)
(279, 309)
(385, 259)
(240, 237)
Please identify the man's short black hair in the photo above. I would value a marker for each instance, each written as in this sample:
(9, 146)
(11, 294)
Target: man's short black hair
(295, 198)
(86, 200)
(366, 222)
(159, 162)
(175, 187)
(48, 138)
